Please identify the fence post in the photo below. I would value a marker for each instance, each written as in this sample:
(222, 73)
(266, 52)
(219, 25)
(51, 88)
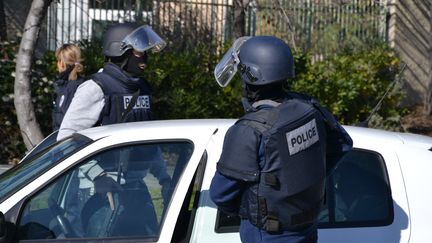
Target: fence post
(239, 28)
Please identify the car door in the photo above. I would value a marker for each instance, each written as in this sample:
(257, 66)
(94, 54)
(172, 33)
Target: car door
(64, 203)
(140, 179)
(365, 201)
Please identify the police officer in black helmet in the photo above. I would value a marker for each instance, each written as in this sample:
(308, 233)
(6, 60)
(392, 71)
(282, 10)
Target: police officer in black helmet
(116, 94)
(276, 157)
(110, 96)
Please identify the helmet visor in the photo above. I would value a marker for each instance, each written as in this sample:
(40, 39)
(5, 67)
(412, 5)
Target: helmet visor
(227, 66)
(143, 39)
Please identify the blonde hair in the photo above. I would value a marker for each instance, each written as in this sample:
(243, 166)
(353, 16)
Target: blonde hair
(70, 54)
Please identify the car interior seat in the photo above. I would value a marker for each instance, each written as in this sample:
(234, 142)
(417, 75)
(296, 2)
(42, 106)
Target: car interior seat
(133, 215)
(360, 193)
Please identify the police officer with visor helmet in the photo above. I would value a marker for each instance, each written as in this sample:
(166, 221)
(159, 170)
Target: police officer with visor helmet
(116, 94)
(100, 100)
(276, 157)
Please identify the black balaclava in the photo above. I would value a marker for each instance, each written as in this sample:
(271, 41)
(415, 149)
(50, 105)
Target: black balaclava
(252, 93)
(132, 64)
(275, 91)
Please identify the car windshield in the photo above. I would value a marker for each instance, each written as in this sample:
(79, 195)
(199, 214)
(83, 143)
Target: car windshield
(13, 179)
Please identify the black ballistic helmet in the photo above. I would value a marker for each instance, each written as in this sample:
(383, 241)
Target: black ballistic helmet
(265, 60)
(120, 38)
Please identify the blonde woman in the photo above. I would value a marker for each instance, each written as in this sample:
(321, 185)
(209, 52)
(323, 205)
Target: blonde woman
(68, 79)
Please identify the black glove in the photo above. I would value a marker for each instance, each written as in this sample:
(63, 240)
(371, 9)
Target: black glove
(104, 184)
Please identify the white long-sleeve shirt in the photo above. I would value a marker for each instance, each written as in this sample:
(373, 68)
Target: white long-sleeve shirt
(84, 110)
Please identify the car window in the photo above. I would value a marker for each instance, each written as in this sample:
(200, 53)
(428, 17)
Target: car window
(48, 141)
(358, 195)
(185, 220)
(120, 192)
(21, 174)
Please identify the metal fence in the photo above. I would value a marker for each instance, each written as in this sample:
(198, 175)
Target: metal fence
(321, 26)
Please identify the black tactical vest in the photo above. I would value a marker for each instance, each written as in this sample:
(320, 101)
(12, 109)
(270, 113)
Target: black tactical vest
(291, 183)
(127, 99)
(64, 92)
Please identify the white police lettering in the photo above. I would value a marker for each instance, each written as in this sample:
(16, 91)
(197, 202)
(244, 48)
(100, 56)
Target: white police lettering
(302, 138)
(142, 102)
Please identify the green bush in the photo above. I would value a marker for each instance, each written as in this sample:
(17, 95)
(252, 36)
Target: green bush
(351, 83)
(184, 85)
(11, 143)
(12, 146)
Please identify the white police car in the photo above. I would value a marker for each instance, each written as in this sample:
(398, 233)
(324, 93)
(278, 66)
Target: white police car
(379, 193)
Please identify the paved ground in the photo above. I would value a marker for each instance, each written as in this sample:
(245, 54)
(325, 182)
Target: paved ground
(3, 168)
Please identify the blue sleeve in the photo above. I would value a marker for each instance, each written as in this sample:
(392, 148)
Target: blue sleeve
(225, 193)
(338, 144)
(338, 140)
(240, 154)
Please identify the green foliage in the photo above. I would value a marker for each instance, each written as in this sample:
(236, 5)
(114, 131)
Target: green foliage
(91, 53)
(184, 85)
(11, 143)
(351, 83)
(44, 73)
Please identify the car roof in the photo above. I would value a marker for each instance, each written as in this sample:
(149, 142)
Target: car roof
(390, 137)
(185, 126)
(158, 126)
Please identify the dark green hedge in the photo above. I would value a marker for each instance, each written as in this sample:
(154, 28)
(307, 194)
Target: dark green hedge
(349, 84)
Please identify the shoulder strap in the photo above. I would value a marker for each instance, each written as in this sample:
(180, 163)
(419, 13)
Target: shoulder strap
(97, 79)
(261, 120)
(327, 116)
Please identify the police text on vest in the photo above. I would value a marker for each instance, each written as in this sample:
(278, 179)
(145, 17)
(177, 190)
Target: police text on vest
(142, 102)
(302, 138)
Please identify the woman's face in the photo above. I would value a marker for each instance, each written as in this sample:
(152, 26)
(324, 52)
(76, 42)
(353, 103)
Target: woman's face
(61, 66)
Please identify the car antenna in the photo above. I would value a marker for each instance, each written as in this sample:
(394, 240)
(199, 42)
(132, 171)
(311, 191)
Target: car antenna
(365, 123)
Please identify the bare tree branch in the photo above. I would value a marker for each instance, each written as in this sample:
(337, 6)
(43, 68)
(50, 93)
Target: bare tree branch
(288, 21)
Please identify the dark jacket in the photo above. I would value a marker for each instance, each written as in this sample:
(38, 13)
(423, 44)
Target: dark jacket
(127, 99)
(64, 91)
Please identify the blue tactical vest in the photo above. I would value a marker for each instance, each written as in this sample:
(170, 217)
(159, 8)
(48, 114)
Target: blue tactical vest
(127, 99)
(289, 190)
(64, 92)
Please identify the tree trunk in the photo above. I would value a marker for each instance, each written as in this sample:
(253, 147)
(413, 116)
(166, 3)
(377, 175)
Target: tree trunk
(240, 7)
(3, 30)
(30, 129)
(428, 98)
